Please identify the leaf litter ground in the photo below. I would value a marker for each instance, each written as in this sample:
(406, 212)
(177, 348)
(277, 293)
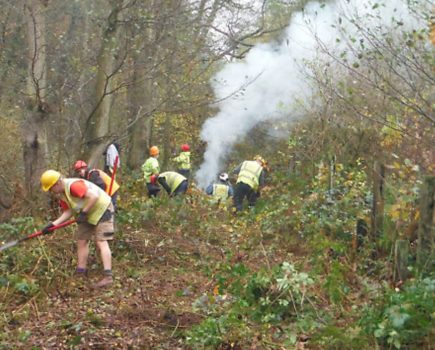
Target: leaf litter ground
(148, 305)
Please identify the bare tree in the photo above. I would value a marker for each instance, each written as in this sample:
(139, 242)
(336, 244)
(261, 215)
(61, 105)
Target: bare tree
(36, 110)
(383, 77)
(97, 123)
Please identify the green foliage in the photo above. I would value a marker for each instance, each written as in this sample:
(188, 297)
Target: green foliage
(278, 216)
(212, 331)
(333, 337)
(15, 259)
(265, 298)
(24, 335)
(335, 283)
(16, 228)
(95, 319)
(306, 215)
(139, 212)
(402, 318)
(22, 285)
(332, 212)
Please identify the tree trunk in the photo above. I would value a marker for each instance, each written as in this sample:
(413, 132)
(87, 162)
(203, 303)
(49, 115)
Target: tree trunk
(426, 227)
(167, 131)
(170, 71)
(97, 124)
(139, 99)
(331, 174)
(36, 109)
(378, 201)
(401, 252)
(87, 7)
(140, 95)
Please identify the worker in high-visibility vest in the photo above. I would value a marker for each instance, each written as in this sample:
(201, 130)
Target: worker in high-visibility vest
(93, 210)
(173, 182)
(150, 168)
(98, 177)
(221, 190)
(251, 177)
(183, 161)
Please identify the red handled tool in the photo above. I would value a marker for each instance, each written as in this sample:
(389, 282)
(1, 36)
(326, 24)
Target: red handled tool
(115, 166)
(35, 234)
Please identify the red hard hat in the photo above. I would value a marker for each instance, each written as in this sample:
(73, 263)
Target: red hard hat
(79, 165)
(185, 147)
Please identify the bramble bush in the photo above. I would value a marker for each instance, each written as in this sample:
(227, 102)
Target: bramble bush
(402, 318)
(246, 301)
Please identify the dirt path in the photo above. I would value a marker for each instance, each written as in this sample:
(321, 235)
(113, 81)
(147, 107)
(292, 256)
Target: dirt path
(158, 276)
(146, 308)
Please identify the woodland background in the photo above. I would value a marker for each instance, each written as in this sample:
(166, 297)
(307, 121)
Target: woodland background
(338, 252)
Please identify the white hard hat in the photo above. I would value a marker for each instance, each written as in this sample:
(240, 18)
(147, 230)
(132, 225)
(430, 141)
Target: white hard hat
(223, 177)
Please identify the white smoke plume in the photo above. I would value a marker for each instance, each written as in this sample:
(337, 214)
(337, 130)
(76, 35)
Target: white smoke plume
(269, 82)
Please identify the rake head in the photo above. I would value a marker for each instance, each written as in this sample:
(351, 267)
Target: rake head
(8, 245)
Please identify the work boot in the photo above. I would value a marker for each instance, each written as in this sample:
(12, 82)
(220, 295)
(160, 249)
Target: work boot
(80, 273)
(107, 280)
(80, 277)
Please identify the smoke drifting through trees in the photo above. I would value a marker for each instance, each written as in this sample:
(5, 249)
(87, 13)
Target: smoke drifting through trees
(270, 83)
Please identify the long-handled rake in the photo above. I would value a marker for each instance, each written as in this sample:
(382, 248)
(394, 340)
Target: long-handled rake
(35, 234)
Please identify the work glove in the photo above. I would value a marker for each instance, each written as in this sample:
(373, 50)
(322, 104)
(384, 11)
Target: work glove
(46, 229)
(82, 218)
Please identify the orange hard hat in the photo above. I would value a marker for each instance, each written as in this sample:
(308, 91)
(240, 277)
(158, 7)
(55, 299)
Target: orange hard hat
(79, 165)
(154, 150)
(185, 147)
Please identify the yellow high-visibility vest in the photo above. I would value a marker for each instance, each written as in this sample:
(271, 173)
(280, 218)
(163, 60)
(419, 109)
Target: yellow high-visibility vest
(250, 174)
(77, 204)
(150, 167)
(183, 161)
(107, 180)
(173, 179)
(220, 192)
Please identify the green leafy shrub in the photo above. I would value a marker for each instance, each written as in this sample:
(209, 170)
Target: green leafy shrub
(403, 319)
(22, 285)
(212, 331)
(264, 298)
(335, 284)
(278, 294)
(16, 228)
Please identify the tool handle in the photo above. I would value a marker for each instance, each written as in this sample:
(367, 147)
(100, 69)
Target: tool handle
(115, 166)
(38, 233)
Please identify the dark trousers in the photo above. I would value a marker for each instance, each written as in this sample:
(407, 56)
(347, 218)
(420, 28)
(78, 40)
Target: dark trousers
(114, 198)
(107, 170)
(153, 189)
(181, 189)
(242, 190)
(184, 172)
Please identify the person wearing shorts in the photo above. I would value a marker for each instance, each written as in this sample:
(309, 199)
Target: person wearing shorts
(93, 209)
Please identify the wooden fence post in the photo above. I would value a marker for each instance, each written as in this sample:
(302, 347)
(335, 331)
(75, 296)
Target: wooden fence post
(358, 238)
(331, 174)
(361, 233)
(401, 252)
(377, 218)
(426, 227)
(292, 165)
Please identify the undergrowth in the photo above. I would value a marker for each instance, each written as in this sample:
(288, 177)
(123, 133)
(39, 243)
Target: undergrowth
(291, 271)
